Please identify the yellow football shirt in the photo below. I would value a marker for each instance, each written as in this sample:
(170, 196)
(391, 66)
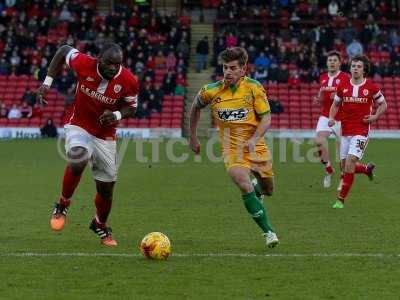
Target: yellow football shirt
(237, 110)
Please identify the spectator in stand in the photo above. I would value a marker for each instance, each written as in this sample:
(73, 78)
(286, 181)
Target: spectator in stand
(262, 61)
(154, 103)
(49, 130)
(231, 40)
(333, 8)
(4, 67)
(202, 51)
(294, 79)
(261, 75)
(171, 61)
(160, 61)
(3, 110)
(29, 97)
(283, 74)
(184, 48)
(26, 110)
(37, 111)
(14, 113)
(354, 48)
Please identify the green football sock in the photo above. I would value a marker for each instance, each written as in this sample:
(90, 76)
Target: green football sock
(258, 190)
(257, 211)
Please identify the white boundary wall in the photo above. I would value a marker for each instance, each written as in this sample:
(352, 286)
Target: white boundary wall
(148, 133)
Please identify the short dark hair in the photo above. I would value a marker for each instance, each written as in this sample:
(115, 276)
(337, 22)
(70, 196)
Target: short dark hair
(364, 60)
(334, 53)
(109, 45)
(234, 53)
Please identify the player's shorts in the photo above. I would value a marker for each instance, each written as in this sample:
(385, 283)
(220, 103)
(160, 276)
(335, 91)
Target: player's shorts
(322, 125)
(354, 145)
(260, 162)
(102, 154)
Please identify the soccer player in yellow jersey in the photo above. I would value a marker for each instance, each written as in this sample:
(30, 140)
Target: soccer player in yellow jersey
(240, 106)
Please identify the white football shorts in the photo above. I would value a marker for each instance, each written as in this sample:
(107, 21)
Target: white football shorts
(102, 154)
(354, 145)
(322, 125)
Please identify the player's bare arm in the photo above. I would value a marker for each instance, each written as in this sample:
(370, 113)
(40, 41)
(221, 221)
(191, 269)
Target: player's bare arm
(55, 67)
(109, 117)
(317, 98)
(332, 113)
(194, 143)
(382, 106)
(262, 128)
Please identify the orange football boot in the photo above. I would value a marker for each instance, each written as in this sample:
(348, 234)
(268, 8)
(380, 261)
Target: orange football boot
(104, 233)
(58, 217)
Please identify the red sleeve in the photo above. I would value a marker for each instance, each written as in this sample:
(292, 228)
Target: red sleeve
(320, 79)
(132, 89)
(377, 95)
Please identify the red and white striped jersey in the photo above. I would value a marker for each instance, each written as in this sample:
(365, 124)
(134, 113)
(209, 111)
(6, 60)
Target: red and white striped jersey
(328, 85)
(94, 94)
(357, 102)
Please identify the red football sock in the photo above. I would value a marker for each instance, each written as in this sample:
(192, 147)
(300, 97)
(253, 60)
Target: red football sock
(361, 168)
(70, 182)
(328, 168)
(103, 208)
(348, 179)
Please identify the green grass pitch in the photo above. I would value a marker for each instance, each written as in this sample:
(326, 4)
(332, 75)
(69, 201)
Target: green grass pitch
(219, 252)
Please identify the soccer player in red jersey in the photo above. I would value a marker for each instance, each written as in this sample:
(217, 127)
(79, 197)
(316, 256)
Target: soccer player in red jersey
(106, 92)
(328, 82)
(356, 98)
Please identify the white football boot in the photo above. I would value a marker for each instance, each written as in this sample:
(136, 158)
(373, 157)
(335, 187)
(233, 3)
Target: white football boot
(327, 180)
(271, 239)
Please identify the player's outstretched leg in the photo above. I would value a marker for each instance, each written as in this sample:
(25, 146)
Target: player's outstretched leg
(348, 179)
(255, 208)
(321, 142)
(367, 169)
(78, 157)
(103, 203)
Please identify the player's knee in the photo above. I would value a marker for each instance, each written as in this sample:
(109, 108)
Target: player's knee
(78, 154)
(78, 158)
(245, 186)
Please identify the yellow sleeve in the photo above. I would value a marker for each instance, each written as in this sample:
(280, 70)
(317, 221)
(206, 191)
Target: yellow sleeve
(261, 105)
(203, 97)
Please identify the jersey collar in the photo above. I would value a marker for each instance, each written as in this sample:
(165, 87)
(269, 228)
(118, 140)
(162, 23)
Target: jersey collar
(98, 72)
(360, 84)
(336, 74)
(234, 87)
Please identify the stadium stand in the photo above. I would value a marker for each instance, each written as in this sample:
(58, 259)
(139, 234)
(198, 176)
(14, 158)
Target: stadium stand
(287, 43)
(156, 50)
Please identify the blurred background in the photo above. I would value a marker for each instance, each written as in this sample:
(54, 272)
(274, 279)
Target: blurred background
(172, 47)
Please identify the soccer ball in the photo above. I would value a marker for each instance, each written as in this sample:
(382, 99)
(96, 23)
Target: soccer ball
(156, 245)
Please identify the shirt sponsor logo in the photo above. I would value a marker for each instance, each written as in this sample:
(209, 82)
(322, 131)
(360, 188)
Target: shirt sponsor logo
(328, 88)
(355, 100)
(96, 95)
(231, 115)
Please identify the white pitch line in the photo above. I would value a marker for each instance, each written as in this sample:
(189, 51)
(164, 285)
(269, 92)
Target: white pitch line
(247, 255)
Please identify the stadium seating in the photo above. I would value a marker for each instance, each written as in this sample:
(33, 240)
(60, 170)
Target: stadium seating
(301, 113)
(13, 87)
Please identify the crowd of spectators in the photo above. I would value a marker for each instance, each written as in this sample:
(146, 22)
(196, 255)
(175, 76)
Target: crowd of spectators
(156, 46)
(287, 41)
